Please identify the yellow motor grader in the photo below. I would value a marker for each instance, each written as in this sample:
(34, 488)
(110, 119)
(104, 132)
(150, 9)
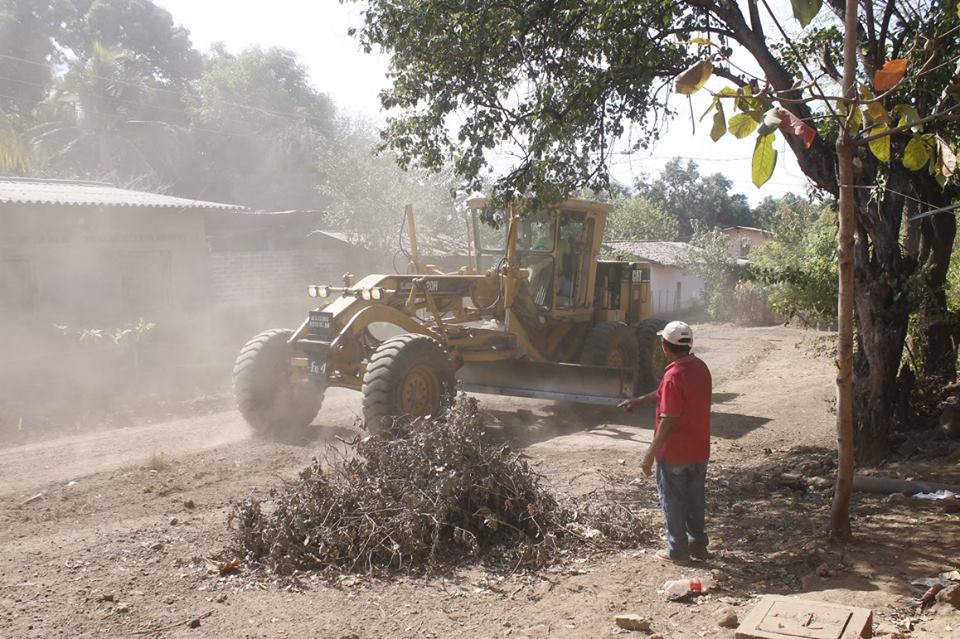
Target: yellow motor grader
(535, 314)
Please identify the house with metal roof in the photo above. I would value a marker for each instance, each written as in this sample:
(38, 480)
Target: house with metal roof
(673, 288)
(88, 254)
(80, 264)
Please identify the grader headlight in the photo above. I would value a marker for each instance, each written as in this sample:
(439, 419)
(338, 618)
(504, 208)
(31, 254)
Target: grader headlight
(376, 293)
(366, 295)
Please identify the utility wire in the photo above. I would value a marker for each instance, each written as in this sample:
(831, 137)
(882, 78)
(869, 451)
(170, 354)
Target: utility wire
(180, 94)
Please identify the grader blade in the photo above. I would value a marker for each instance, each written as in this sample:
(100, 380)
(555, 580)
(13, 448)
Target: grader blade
(598, 385)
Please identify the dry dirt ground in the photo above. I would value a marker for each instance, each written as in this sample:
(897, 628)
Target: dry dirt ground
(129, 528)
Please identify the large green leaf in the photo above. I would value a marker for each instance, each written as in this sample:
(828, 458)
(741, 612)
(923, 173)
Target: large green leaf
(693, 79)
(880, 147)
(741, 125)
(764, 159)
(908, 114)
(806, 10)
(719, 124)
(916, 154)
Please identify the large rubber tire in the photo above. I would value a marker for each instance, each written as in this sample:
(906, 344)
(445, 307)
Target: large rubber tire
(652, 360)
(269, 399)
(614, 344)
(408, 374)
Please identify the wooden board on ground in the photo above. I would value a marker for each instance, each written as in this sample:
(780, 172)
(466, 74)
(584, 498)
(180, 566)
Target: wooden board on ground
(777, 617)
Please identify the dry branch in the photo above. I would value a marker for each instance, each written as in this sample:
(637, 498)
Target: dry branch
(438, 491)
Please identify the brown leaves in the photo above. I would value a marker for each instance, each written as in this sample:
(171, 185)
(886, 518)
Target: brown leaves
(231, 566)
(888, 76)
(791, 124)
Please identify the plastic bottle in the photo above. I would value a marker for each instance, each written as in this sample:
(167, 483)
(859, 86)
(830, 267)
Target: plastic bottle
(677, 588)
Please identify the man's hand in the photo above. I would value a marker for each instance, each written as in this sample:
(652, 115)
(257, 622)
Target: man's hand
(629, 404)
(647, 467)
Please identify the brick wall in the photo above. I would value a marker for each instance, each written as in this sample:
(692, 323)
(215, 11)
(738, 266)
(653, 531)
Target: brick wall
(246, 278)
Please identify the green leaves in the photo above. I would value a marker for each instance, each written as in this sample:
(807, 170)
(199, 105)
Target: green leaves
(764, 159)
(916, 154)
(693, 79)
(719, 124)
(806, 10)
(880, 147)
(741, 125)
(908, 114)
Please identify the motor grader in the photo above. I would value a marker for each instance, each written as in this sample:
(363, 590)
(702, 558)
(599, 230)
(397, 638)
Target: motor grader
(534, 314)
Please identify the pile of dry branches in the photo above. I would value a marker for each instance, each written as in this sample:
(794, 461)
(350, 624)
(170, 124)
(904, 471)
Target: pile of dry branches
(436, 491)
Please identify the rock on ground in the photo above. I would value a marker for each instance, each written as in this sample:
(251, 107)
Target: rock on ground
(632, 622)
(726, 617)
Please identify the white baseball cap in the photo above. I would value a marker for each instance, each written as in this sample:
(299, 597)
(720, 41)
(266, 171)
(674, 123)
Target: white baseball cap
(678, 333)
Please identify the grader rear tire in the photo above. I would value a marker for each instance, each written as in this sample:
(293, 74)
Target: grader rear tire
(274, 405)
(615, 345)
(652, 361)
(409, 374)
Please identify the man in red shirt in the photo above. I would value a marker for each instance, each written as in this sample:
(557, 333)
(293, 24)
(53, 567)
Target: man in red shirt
(681, 442)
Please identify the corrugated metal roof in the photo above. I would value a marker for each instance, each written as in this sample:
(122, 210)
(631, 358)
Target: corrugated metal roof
(747, 228)
(665, 253)
(72, 193)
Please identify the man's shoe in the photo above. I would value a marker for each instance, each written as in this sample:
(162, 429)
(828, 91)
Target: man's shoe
(700, 552)
(675, 557)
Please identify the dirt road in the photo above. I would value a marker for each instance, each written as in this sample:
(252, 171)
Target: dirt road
(120, 533)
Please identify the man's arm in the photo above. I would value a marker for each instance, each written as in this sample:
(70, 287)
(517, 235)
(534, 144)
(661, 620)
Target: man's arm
(667, 424)
(629, 404)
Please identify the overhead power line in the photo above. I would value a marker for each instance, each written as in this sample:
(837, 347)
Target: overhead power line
(180, 94)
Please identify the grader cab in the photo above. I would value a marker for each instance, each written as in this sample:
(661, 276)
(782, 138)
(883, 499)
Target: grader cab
(535, 314)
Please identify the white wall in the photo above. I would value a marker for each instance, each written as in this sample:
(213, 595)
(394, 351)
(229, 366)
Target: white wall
(663, 286)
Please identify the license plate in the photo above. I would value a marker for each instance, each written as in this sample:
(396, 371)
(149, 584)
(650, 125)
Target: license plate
(320, 323)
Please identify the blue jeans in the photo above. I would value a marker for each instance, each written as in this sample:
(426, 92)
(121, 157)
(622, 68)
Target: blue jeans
(682, 497)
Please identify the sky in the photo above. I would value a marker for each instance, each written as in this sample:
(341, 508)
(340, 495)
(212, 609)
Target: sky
(316, 30)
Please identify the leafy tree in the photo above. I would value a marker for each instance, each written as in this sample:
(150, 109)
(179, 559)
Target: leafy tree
(93, 125)
(27, 32)
(157, 49)
(788, 215)
(636, 218)
(263, 130)
(561, 80)
(117, 112)
(367, 192)
(711, 262)
(798, 269)
(695, 200)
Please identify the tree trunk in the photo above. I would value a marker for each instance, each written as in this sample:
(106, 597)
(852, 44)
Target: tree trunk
(938, 348)
(882, 314)
(840, 510)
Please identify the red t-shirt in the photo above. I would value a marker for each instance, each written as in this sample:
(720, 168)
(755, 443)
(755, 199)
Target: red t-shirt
(686, 392)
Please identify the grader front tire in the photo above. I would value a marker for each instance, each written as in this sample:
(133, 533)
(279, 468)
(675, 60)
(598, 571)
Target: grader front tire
(615, 345)
(652, 360)
(269, 399)
(408, 374)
